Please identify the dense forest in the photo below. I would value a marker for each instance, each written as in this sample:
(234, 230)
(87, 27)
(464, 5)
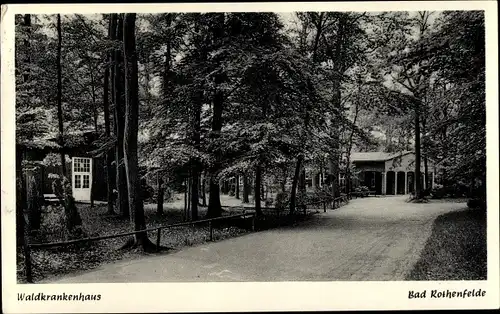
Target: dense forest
(200, 97)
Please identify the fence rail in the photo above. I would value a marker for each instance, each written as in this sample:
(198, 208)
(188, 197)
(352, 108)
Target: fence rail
(27, 247)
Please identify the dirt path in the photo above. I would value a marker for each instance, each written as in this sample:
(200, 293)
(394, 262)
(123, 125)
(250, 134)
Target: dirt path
(368, 239)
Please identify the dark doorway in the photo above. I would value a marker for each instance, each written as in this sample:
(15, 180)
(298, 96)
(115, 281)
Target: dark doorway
(391, 177)
(401, 182)
(369, 181)
(378, 183)
(411, 182)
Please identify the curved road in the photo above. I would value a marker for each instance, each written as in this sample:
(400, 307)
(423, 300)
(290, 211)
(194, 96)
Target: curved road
(368, 239)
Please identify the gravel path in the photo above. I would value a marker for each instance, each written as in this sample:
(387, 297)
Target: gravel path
(368, 239)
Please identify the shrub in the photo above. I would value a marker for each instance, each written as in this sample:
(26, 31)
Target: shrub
(362, 190)
(282, 200)
(147, 191)
(269, 202)
(477, 203)
(437, 192)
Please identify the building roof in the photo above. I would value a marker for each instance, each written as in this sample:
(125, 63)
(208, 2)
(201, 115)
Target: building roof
(376, 156)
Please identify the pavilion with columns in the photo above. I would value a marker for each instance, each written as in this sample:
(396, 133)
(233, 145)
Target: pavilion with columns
(384, 173)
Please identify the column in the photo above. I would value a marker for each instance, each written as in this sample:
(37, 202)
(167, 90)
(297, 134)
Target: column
(384, 183)
(433, 175)
(406, 182)
(314, 180)
(396, 183)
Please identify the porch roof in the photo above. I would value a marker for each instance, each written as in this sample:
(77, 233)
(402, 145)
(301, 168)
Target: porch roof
(375, 156)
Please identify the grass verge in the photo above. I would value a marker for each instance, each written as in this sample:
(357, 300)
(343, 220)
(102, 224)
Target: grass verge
(456, 249)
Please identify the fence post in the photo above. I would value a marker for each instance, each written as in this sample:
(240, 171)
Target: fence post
(210, 228)
(158, 237)
(27, 251)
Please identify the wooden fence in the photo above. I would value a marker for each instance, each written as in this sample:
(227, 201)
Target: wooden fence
(27, 247)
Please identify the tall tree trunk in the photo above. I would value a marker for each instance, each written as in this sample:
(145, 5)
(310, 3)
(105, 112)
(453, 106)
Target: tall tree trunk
(349, 149)
(214, 204)
(302, 180)
(96, 130)
(59, 95)
(107, 120)
(131, 130)
(21, 193)
(203, 191)
(300, 161)
(295, 181)
(121, 181)
(186, 201)
(34, 204)
(188, 209)
(160, 196)
(194, 192)
(418, 187)
(245, 189)
(168, 59)
(257, 194)
(424, 146)
(237, 187)
(195, 141)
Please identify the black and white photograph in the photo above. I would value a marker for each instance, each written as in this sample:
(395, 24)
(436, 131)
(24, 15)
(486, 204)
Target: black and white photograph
(235, 145)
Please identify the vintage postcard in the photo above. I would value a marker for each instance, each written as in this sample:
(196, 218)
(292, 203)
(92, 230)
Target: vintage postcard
(249, 156)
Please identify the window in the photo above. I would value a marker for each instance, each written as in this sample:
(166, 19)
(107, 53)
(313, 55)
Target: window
(86, 183)
(77, 165)
(82, 164)
(78, 183)
(342, 179)
(86, 165)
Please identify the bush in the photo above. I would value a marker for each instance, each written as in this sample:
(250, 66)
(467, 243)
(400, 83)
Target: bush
(53, 226)
(362, 190)
(437, 192)
(147, 191)
(456, 190)
(282, 201)
(477, 203)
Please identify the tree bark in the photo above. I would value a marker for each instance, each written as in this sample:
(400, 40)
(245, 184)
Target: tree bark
(34, 198)
(258, 186)
(214, 204)
(59, 95)
(195, 141)
(418, 187)
(245, 189)
(96, 130)
(20, 196)
(121, 181)
(131, 130)
(237, 187)
(349, 149)
(426, 165)
(203, 191)
(160, 196)
(295, 181)
(188, 210)
(186, 183)
(21, 193)
(107, 120)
